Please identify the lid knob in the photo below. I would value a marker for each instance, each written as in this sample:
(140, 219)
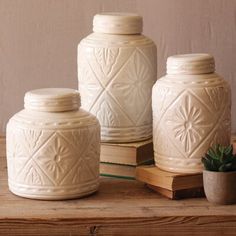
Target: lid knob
(117, 23)
(190, 64)
(52, 99)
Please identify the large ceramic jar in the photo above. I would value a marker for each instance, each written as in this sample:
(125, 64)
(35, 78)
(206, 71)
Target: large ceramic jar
(191, 111)
(116, 72)
(53, 147)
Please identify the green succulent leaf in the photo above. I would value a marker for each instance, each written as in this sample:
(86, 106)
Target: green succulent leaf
(229, 150)
(206, 162)
(220, 158)
(225, 167)
(211, 153)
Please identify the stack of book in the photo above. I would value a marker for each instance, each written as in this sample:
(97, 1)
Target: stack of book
(171, 185)
(121, 160)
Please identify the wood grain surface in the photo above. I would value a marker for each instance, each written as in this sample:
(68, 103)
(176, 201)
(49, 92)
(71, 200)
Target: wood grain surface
(120, 207)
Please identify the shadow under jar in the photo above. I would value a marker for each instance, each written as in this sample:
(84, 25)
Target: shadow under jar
(191, 112)
(53, 147)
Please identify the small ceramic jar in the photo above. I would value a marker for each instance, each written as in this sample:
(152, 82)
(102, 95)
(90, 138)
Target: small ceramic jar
(191, 112)
(53, 147)
(116, 72)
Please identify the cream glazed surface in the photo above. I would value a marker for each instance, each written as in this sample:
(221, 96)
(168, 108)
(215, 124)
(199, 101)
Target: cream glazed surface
(53, 147)
(191, 112)
(116, 72)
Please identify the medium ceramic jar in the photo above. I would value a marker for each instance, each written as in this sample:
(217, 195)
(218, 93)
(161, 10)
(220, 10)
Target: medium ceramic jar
(116, 72)
(191, 112)
(53, 147)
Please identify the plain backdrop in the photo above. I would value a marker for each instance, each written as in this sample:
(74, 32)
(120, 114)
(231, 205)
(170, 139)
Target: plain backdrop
(38, 40)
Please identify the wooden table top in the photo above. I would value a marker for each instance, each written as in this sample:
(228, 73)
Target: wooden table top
(120, 207)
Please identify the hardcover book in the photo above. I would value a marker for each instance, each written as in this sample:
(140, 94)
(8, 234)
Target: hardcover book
(127, 153)
(152, 175)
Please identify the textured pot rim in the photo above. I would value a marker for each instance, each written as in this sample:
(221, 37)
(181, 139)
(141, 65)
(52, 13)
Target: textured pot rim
(220, 172)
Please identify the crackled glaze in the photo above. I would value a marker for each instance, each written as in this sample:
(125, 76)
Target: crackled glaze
(191, 111)
(53, 147)
(116, 72)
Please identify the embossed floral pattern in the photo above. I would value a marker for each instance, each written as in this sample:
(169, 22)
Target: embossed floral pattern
(213, 94)
(62, 159)
(133, 87)
(136, 81)
(33, 178)
(192, 116)
(115, 85)
(107, 114)
(55, 158)
(44, 163)
(106, 58)
(188, 123)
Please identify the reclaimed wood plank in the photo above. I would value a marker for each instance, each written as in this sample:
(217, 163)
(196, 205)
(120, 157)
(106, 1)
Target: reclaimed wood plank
(120, 207)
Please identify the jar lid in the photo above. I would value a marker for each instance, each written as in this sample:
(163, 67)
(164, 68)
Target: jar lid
(190, 64)
(52, 99)
(117, 23)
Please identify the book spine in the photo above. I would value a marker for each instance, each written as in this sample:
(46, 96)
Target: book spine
(117, 176)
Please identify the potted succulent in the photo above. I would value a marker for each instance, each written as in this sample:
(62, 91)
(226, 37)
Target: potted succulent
(219, 176)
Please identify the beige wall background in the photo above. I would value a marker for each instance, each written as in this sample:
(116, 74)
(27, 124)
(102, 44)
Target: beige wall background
(38, 40)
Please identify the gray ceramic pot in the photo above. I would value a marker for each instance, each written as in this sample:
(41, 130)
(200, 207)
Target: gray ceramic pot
(220, 187)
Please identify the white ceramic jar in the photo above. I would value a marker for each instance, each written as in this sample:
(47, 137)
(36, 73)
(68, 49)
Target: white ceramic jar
(53, 147)
(116, 72)
(191, 111)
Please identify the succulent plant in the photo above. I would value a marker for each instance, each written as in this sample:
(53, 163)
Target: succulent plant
(220, 158)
